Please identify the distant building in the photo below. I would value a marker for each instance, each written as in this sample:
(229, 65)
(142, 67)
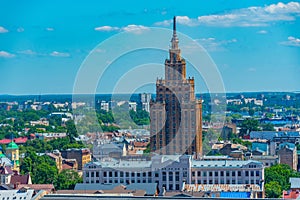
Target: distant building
(132, 106)
(104, 106)
(145, 99)
(288, 156)
(82, 156)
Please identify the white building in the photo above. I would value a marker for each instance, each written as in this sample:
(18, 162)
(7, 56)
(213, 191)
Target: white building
(171, 171)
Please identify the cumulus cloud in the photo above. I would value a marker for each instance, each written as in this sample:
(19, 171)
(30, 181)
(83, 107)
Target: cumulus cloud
(106, 28)
(49, 29)
(3, 30)
(136, 29)
(292, 41)
(59, 54)
(20, 29)
(245, 17)
(132, 28)
(262, 32)
(212, 44)
(5, 54)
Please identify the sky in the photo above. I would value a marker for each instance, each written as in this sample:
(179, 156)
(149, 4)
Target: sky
(254, 44)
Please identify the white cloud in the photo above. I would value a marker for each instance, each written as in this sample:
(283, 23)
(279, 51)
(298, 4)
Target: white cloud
(3, 30)
(59, 54)
(20, 29)
(106, 28)
(27, 52)
(292, 41)
(136, 29)
(49, 29)
(262, 32)
(245, 17)
(5, 54)
(212, 44)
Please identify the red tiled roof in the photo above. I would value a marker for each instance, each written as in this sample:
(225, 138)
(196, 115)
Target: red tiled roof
(140, 144)
(20, 140)
(5, 141)
(20, 179)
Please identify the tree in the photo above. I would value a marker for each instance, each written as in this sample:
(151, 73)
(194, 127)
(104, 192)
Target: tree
(273, 190)
(278, 175)
(267, 127)
(67, 179)
(249, 125)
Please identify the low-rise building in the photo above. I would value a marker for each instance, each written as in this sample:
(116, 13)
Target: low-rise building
(82, 156)
(171, 171)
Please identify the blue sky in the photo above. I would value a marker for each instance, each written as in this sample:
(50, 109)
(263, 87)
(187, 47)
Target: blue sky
(255, 44)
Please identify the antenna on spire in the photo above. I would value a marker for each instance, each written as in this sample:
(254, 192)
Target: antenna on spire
(174, 24)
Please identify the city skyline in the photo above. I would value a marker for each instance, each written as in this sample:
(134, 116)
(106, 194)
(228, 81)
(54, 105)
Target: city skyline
(254, 44)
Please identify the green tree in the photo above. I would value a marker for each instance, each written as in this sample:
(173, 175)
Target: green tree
(267, 127)
(249, 125)
(280, 174)
(67, 179)
(273, 189)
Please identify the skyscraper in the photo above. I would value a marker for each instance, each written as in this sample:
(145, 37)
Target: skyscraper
(176, 115)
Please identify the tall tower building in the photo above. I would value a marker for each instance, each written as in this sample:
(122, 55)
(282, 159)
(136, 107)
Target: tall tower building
(176, 115)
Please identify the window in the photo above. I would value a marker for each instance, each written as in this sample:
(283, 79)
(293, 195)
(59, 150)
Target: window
(233, 173)
(239, 173)
(257, 173)
(199, 173)
(97, 174)
(247, 173)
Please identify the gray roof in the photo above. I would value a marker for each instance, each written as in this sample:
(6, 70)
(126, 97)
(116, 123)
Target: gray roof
(123, 163)
(222, 163)
(150, 188)
(95, 186)
(295, 183)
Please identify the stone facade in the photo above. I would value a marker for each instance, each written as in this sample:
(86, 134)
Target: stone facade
(176, 116)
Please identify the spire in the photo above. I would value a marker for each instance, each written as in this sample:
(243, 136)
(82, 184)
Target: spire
(174, 40)
(174, 25)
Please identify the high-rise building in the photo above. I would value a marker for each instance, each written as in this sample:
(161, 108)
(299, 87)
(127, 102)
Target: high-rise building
(176, 115)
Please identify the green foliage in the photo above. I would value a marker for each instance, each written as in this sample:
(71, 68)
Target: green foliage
(277, 177)
(67, 179)
(267, 127)
(273, 189)
(249, 125)
(140, 117)
(42, 169)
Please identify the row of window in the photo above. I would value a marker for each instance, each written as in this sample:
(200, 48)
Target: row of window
(227, 173)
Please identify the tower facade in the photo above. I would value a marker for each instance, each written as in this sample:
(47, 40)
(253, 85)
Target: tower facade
(176, 115)
(12, 152)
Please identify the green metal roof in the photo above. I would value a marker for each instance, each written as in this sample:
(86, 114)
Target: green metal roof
(12, 145)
